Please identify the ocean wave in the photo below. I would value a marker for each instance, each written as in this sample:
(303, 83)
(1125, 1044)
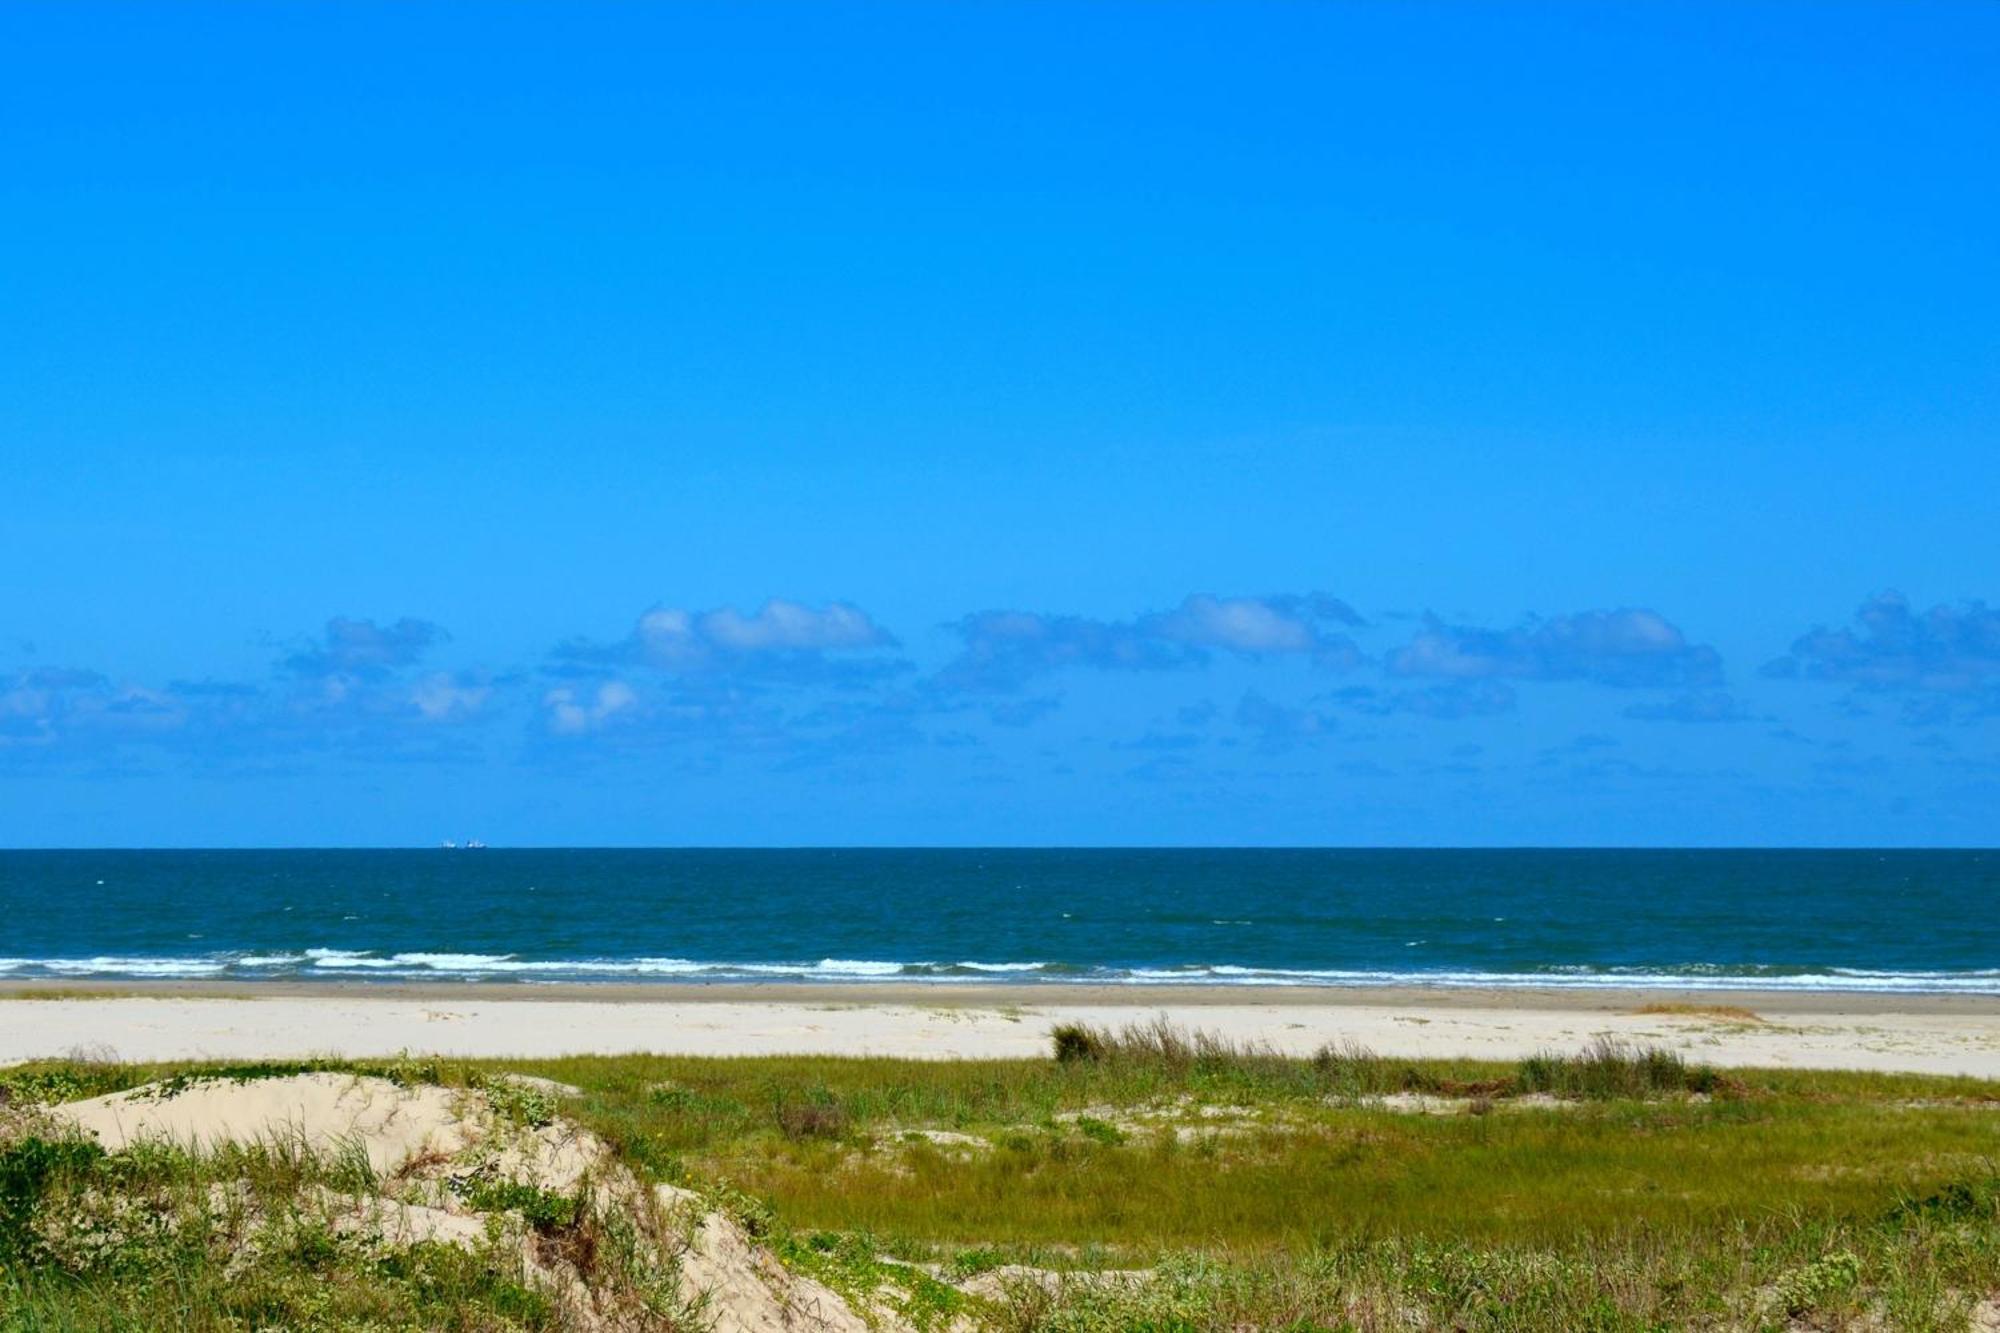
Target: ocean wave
(128, 967)
(453, 962)
(336, 959)
(851, 967)
(365, 964)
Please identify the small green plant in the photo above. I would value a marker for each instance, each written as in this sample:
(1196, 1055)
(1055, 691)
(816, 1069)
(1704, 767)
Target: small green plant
(1102, 1131)
(749, 1212)
(851, 1264)
(521, 1103)
(545, 1210)
(672, 1097)
(175, 1084)
(408, 1071)
(1807, 1288)
(973, 1262)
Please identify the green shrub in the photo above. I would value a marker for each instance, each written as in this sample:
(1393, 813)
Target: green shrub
(522, 1103)
(1958, 1201)
(1103, 1131)
(28, 1167)
(544, 1210)
(66, 1082)
(1807, 1288)
(816, 1117)
(673, 1097)
(1077, 1042)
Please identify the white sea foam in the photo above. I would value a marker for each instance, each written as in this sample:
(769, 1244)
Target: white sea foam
(416, 964)
(131, 967)
(1865, 972)
(508, 963)
(337, 959)
(1981, 981)
(453, 962)
(861, 967)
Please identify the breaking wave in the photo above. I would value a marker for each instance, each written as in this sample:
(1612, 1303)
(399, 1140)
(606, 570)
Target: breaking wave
(368, 964)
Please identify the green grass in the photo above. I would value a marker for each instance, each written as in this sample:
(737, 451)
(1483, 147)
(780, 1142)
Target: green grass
(1638, 1192)
(1608, 1189)
(157, 1238)
(1299, 1170)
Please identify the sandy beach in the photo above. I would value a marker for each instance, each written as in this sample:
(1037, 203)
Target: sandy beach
(1908, 1033)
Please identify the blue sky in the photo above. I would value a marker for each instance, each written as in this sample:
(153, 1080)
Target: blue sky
(1074, 424)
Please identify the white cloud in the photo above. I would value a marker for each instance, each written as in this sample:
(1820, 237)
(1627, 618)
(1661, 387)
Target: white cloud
(781, 640)
(1625, 647)
(572, 715)
(1003, 649)
(789, 626)
(1240, 624)
(442, 697)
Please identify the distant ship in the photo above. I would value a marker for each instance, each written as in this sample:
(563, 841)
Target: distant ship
(469, 845)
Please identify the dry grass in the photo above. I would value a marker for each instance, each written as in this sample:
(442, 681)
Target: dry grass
(1726, 1013)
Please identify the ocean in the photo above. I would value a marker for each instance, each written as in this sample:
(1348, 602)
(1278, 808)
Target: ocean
(1915, 921)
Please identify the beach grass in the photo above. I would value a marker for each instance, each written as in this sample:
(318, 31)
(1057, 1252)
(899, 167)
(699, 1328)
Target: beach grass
(1611, 1188)
(150, 1240)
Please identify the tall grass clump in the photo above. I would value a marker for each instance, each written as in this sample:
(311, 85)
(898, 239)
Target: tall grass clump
(1608, 1069)
(1160, 1052)
(1162, 1044)
(1077, 1043)
(1158, 1058)
(1349, 1069)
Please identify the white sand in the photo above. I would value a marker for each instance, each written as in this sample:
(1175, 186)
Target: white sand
(1831, 1032)
(322, 1113)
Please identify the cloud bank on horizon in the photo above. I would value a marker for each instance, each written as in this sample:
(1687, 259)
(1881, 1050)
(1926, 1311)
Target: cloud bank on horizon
(816, 685)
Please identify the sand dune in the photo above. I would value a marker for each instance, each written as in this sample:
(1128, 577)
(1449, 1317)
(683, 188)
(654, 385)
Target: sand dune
(413, 1135)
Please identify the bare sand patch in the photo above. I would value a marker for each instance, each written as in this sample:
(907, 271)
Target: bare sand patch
(997, 1284)
(323, 1113)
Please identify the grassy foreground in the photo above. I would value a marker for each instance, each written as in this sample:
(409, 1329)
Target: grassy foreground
(1606, 1190)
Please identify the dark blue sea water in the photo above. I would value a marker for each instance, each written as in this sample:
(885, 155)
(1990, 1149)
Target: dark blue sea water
(1892, 920)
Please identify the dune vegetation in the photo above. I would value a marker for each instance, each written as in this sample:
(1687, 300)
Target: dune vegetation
(1146, 1179)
